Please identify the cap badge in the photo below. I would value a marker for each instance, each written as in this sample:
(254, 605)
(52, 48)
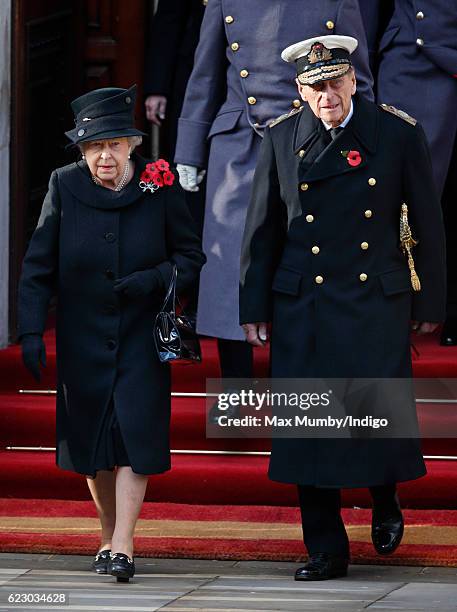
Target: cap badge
(87, 119)
(319, 53)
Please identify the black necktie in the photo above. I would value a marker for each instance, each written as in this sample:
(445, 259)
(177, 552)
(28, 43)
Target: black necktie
(335, 131)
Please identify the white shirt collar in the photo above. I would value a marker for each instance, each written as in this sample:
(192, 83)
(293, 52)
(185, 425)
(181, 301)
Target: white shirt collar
(345, 122)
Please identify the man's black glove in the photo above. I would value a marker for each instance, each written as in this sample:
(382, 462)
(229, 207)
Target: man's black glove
(138, 284)
(33, 353)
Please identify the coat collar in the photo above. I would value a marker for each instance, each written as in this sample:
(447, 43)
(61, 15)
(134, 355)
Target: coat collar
(77, 179)
(360, 134)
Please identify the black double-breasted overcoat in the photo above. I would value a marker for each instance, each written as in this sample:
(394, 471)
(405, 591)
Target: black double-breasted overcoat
(87, 237)
(321, 261)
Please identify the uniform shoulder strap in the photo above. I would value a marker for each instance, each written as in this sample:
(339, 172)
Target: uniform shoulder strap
(282, 118)
(399, 113)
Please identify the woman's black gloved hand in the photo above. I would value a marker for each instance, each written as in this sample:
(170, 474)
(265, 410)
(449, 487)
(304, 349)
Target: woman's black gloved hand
(33, 354)
(138, 284)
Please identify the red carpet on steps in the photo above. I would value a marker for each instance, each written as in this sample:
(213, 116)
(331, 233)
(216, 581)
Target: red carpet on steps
(218, 532)
(222, 486)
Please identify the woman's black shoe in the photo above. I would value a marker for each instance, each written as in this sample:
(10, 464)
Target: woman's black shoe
(122, 567)
(100, 562)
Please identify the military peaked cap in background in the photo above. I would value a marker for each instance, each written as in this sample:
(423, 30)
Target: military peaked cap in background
(321, 58)
(104, 113)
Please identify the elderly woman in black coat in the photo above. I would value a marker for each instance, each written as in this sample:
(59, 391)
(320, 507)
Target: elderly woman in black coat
(111, 229)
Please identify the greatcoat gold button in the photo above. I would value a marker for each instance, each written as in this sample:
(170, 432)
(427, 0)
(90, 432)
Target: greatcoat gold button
(301, 152)
(235, 46)
(330, 25)
(252, 100)
(363, 277)
(420, 15)
(229, 19)
(368, 214)
(304, 186)
(364, 246)
(244, 74)
(420, 42)
(309, 218)
(319, 280)
(372, 182)
(315, 250)
(296, 103)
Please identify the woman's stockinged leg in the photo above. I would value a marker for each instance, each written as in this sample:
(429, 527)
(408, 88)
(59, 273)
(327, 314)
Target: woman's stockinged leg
(103, 491)
(130, 490)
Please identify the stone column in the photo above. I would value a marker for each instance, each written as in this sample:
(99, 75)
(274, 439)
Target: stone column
(5, 117)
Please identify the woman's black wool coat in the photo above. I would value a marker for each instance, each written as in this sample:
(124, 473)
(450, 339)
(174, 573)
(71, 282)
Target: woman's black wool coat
(87, 237)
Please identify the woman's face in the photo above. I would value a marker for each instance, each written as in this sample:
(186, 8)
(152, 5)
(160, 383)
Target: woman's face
(107, 158)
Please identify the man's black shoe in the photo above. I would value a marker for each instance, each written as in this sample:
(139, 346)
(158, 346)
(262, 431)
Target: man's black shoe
(322, 566)
(449, 333)
(387, 529)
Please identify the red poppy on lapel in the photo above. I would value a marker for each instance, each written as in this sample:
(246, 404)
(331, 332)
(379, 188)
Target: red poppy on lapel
(353, 157)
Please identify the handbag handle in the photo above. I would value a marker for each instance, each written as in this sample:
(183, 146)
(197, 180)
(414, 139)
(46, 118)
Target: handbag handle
(171, 293)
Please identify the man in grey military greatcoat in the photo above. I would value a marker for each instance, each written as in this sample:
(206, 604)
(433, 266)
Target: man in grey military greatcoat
(238, 85)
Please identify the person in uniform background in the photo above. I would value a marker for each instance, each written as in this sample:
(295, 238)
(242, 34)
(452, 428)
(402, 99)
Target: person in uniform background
(106, 248)
(417, 73)
(321, 262)
(237, 87)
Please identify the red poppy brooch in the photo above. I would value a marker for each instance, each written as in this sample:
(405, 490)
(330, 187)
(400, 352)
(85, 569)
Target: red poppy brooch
(353, 157)
(156, 174)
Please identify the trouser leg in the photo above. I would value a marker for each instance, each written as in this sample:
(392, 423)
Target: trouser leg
(235, 358)
(385, 500)
(323, 527)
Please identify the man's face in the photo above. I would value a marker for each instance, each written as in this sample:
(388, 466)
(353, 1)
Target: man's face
(330, 100)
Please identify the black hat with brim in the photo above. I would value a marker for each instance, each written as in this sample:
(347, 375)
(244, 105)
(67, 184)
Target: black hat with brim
(104, 113)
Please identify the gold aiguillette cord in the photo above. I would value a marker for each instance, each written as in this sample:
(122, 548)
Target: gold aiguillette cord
(407, 243)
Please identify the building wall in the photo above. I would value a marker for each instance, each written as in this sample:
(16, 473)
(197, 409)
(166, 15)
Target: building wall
(5, 90)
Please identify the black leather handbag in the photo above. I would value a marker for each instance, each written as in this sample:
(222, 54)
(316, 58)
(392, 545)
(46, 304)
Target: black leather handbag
(174, 334)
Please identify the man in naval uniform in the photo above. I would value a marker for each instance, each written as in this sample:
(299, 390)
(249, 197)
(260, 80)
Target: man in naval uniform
(321, 261)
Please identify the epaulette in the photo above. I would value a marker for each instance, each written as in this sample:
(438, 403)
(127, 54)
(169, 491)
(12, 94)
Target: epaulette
(281, 118)
(399, 113)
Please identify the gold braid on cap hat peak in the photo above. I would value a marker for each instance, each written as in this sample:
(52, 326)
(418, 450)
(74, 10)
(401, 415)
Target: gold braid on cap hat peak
(323, 73)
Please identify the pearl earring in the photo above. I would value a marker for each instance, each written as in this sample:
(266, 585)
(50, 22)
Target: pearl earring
(83, 156)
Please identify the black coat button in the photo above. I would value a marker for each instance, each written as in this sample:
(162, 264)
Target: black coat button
(109, 274)
(111, 344)
(110, 237)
